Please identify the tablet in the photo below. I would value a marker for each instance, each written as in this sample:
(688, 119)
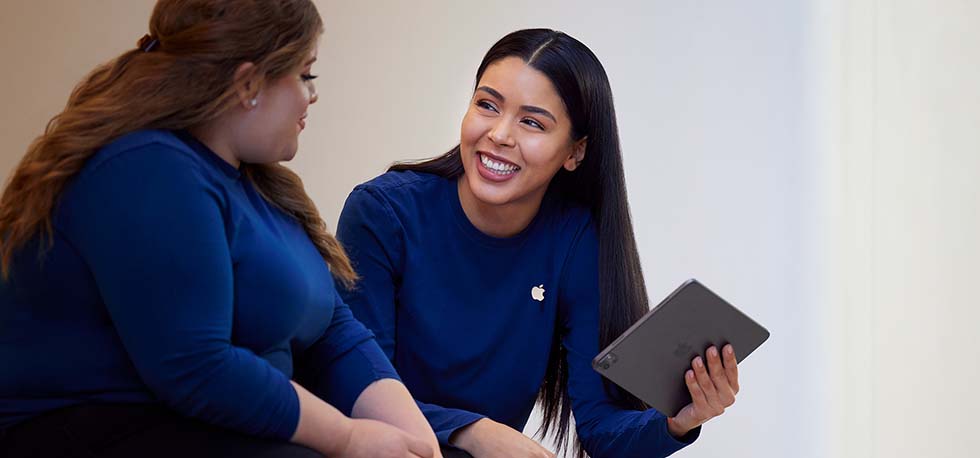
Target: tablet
(649, 359)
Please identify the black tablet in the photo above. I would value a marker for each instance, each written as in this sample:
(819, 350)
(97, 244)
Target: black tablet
(649, 360)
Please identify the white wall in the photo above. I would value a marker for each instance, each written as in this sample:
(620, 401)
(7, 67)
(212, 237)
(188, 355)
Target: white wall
(902, 185)
(46, 47)
(815, 162)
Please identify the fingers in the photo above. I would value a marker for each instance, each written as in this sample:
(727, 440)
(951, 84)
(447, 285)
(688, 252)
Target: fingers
(697, 394)
(418, 447)
(698, 397)
(704, 380)
(720, 378)
(731, 367)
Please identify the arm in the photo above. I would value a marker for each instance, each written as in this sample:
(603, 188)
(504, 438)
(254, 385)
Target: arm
(347, 369)
(151, 230)
(389, 401)
(326, 430)
(605, 428)
(373, 238)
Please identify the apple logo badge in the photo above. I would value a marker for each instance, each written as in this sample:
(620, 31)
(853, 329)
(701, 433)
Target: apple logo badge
(537, 293)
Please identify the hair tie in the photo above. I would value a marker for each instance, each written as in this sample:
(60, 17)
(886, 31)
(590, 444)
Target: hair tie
(148, 43)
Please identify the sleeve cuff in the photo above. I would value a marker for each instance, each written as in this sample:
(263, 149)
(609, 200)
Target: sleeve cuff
(684, 440)
(463, 420)
(677, 443)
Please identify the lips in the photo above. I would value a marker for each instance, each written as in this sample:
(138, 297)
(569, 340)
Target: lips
(495, 169)
(498, 159)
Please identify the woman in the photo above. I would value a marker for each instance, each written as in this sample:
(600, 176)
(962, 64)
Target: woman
(492, 275)
(165, 277)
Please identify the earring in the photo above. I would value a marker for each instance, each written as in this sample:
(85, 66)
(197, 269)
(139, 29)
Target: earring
(254, 103)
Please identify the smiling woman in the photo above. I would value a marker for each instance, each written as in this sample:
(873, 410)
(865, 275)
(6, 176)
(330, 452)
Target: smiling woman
(511, 145)
(492, 275)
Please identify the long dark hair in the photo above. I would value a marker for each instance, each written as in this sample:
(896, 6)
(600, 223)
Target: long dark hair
(598, 184)
(181, 74)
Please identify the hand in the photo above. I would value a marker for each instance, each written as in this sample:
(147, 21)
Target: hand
(712, 389)
(374, 439)
(486, 438)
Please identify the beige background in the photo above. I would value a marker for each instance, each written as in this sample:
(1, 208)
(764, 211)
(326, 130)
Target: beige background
(816, 162)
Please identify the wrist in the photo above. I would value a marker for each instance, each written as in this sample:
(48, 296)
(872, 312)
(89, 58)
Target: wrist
(676, 428)
(342, 437)
(464, 438)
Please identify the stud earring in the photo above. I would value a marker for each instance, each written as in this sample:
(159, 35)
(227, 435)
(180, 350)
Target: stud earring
(254, 103)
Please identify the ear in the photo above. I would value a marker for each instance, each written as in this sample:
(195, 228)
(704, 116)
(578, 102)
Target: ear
(577, 156)
(246, 84)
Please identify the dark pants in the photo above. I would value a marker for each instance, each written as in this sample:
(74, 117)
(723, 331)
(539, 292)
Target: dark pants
(134, 430)
(450, 452)
(139, 430)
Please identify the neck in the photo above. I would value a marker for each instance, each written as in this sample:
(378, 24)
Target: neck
(500, 221)
(210, 135)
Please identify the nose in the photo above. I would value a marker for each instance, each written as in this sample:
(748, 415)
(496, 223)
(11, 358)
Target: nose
(500, 133)
(314, 96)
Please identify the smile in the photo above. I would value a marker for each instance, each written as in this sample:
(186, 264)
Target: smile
(498, 167)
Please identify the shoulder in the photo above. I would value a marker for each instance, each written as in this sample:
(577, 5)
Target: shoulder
(401, 191)
(151, 167)
(145, 176)
(403, 183)
(148, 154)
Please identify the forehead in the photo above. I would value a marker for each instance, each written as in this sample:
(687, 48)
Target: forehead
(522, 84)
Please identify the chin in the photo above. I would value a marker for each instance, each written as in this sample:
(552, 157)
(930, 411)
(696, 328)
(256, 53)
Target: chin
(488, 194)
(288, 153)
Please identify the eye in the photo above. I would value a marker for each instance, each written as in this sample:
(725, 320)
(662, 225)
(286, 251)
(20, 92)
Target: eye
(486, 105)
(308, 77)
(532, 123)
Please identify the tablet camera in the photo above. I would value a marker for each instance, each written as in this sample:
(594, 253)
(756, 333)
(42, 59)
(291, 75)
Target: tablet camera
(607, 361)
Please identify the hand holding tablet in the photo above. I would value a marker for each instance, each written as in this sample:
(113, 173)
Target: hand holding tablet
(659, 358)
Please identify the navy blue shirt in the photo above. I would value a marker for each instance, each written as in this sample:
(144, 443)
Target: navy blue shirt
(458, 311)
(171, 280)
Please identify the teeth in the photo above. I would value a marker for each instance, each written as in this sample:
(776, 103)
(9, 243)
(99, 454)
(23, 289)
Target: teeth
(499, 167)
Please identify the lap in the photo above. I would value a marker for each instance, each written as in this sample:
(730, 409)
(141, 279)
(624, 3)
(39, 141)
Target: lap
(451, 452)
(127, 430)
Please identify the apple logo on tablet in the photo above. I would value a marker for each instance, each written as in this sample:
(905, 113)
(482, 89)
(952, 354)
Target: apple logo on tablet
(683, 350)
(537, 293)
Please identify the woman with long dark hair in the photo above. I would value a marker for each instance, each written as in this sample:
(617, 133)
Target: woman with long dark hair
(491, 275)
(167, 284)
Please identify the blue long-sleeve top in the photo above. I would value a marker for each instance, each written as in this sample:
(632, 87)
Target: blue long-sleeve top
(171, 280)
(454, 310)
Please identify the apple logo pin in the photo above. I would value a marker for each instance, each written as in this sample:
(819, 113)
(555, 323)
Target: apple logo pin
(537, 293)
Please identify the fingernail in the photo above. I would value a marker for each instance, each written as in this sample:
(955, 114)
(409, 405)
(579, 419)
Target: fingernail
(697, 362)
(713, 351)
(690, 375)
(729, 350)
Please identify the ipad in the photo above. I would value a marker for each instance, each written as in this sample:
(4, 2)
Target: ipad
(649, 359)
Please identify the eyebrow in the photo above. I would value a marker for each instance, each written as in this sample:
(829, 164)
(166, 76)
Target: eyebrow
(527, 108)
